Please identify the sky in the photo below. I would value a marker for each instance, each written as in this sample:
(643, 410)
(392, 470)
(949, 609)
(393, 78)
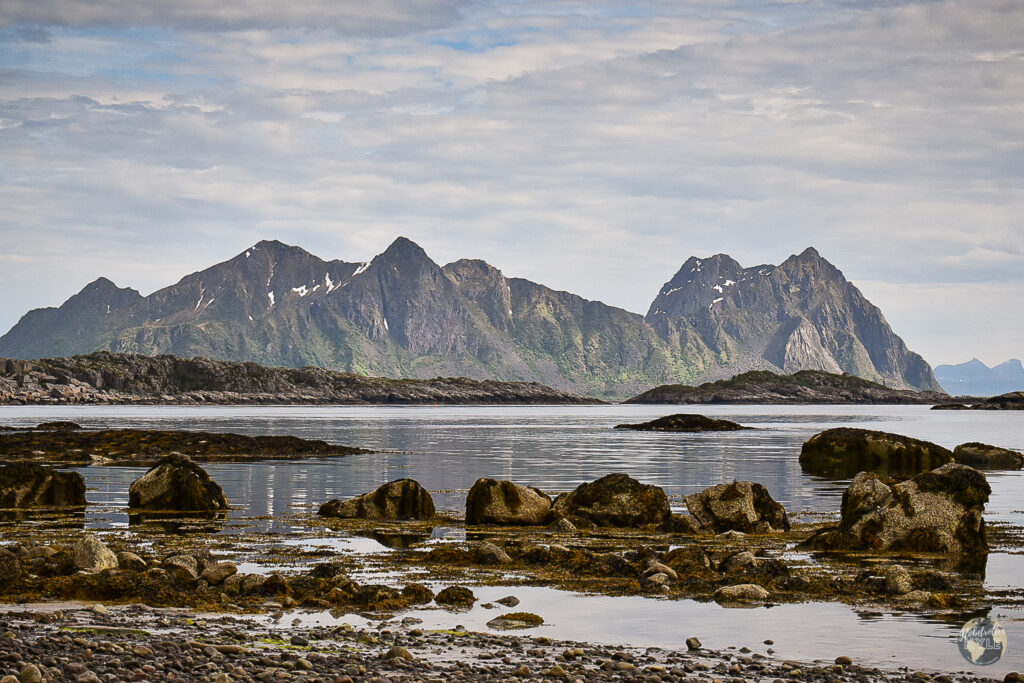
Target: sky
(586, 145)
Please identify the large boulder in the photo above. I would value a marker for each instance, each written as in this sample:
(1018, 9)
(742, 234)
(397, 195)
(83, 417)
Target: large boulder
(491, 501)
(91, 554)
(740, 506)
(399, 499)
(938, 511)
(845, 451)
(684, 422)
(24, 485)
(615, 500)
(983, 456)
(177, 484)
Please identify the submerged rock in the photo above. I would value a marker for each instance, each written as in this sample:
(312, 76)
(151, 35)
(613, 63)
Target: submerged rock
(399, 499)
(740, 506)
(492, 501)
(845, 451)
(615, 500)
(983, 456)
(938, 511)
(25, 485)
(684, 422)
(515, 620)
(176, 483)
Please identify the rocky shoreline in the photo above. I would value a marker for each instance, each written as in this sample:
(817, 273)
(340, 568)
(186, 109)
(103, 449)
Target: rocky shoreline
(89, 643)
(804, 387)
(104, 378)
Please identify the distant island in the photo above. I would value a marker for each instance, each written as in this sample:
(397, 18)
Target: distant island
(806, 386)
(119, 378)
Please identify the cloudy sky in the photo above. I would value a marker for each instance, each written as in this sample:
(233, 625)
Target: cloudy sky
(591, 146)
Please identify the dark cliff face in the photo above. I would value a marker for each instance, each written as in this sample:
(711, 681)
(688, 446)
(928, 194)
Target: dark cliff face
(402, 315)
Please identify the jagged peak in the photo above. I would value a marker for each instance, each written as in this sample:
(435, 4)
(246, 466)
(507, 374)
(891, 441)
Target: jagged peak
(102, 285)
(403, 246)
(469, 265)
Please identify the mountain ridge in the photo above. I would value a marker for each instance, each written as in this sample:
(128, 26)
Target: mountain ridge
(403, 315)
(974, 378)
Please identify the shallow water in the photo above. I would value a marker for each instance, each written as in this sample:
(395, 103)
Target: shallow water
(555, 448)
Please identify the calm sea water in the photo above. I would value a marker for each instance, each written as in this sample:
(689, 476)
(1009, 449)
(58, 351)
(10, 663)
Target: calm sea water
(555, 448)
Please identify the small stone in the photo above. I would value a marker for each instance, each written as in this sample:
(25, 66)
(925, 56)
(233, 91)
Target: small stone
(222, 678)
(99, 609)
(142, 651)
(217, 573)
(693, 643)
(522, 671)
(897, 580)
(508, 601)
(555, 672)
(744, 592)
(9, 679)
(298, 641)
(30, 674)
(843, 660)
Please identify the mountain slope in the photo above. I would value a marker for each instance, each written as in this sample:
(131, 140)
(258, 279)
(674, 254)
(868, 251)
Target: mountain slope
(402, 315)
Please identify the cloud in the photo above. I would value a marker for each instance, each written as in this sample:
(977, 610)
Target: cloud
(588, 146)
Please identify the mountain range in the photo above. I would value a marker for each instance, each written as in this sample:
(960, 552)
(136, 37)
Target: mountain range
(403, 315)
(974, 378)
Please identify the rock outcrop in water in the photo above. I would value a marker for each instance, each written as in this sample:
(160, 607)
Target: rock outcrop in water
(615, 500)
(25, 485)
(403, 315)
(984, 456)
(684, 422)
(938, 511)
(176, 484)
(145, 447)
(844, 451)
(803, 387)
(740, 506)
(1011, 401)
(399, 499)
(118, 378)
(491, 501)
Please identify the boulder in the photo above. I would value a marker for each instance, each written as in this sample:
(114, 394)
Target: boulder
(90, 554)
(845, 451)
(10, 567)
(615, 500)
(938, 511)
(216, 573)
(492, 501)
(399, 499)
(183, 568)
(684, 422)
(744, 592)
(740, 506)
(131, 562)
(24, 485)
(457, 596)
(488, 553)
(177, 484)
(983, 456)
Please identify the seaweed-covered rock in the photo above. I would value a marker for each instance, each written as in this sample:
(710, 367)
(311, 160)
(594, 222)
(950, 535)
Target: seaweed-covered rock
(10, 567)
(399, 499)
(178, 484)
(456, 596)
(984, 456)
(488, 553)
(845, 451)
(684, 422)
(615, 500)
(25, 485)
(938, 511)
(740, 506)
(493, 501)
